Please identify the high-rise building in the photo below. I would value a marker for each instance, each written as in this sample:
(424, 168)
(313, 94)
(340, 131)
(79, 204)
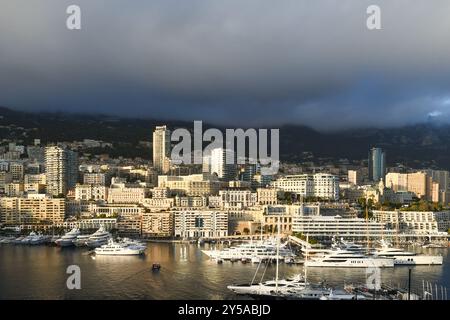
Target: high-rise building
(61, 170)
(397, 181)
(377, 164)
(220, 164)
(161, 148)
(355, 177)
(417, 183)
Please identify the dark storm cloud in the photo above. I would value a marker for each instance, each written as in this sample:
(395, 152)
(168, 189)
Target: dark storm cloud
(243, 62)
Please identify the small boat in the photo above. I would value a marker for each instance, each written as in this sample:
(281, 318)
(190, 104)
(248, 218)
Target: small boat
(38, 239)
(18, 240)
(156, 267)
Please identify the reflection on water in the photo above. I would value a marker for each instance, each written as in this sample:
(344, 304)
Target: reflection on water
(40, 273)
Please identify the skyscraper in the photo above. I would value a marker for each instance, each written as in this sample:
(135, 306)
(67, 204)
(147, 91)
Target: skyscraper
(377, 164)
(161, 149)
(61, 170)
(216, 163)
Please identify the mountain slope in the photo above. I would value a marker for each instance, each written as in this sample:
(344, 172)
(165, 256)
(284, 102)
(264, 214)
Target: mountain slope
(415, 145)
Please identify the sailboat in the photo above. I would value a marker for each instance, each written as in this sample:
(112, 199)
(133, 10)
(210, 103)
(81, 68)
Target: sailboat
(273, 288)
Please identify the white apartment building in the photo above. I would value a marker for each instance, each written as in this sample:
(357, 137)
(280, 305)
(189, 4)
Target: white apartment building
(318, 226)
(237, 199)
(160, 193)
(89, 192)
(192, 185)
(191, 202)
(326, 186)
(158, 204)
(323, 185)
(200, 224)
(117, 210)
(418, 222)
(300, 184)
(267, 196)
(214, 201)
(123, 194)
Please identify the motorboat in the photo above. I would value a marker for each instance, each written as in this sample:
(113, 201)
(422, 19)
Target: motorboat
(67, 239)
(98, 238)
(38, 239)
(406, 258)
(257, 251)
(81, 240)
(269, 287)
(339, 258)
(116, 249)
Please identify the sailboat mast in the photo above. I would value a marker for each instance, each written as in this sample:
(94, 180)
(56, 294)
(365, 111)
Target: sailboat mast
(367, 226)
(306, 259)
(278, 255)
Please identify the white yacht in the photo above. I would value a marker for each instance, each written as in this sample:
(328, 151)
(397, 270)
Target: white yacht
(126, 242)
(253, 251)
(339, 258)
(269, 287)
(27, 239)
(38, 239)
(402, 257)
(67, 239)
(116, 249)
(81, 240)
(98, 238)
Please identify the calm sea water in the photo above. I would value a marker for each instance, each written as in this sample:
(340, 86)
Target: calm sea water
(40, 273)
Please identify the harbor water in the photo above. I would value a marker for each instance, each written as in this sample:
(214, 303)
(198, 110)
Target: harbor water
(39, 272)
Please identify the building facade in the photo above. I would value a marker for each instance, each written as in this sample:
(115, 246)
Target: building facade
(161, 148)
(196, 224)
(322, 185)
(61, 169)
(377, 164)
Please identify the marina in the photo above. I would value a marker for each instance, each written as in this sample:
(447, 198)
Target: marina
(28, 269)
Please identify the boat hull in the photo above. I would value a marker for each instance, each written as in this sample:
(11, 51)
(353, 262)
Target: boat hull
(419, 261)
(64, 243)
(353, 263)
(121, 253)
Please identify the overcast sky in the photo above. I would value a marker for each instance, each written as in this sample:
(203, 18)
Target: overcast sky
(233, 62)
